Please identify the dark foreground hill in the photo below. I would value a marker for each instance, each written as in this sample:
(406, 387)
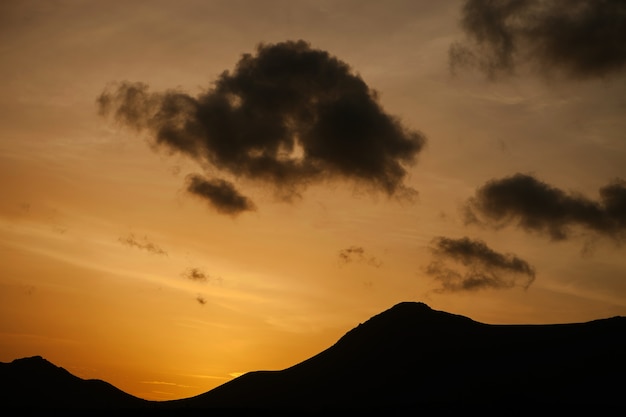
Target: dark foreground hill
(411, 358)
(414, 358)
(36, 384)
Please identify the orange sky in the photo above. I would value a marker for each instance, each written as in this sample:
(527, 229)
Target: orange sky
(98, 236)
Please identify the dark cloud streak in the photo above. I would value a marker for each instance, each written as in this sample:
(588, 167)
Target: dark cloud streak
(220, 194)
(538, 207)
(482, 267)
(143, 244)
(576, 38)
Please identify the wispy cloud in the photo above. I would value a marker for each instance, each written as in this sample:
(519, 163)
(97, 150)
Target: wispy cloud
(199, 275)
(143, 244)
(166, 383)
(357, 254)
(465, 265)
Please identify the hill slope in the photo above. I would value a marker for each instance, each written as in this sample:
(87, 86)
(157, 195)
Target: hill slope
(411, 357)
(35, 383)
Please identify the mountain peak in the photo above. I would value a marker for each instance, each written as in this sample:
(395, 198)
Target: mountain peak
(410, 307)
(414, 316)
(35, 363)
(31, 359)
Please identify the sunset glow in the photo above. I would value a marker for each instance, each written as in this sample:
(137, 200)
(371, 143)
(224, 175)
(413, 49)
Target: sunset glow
(114, 266)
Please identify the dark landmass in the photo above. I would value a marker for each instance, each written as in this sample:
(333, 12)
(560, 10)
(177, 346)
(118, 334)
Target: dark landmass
(409, 358)
(36, 384)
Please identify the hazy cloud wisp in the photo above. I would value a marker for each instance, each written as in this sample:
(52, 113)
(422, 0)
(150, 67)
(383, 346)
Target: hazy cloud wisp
(357, 254)
(197, 274)
(143, 244)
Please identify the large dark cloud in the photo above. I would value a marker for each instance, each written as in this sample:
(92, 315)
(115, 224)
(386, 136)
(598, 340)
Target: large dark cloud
(536, 206)
(221, 194)
(288, 115)
(576, 38)
(465, 265)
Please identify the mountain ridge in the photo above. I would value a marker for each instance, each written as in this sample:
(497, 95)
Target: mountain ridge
(411, 357)
(404, 355)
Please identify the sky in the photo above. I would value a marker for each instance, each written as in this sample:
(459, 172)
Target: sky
(197, 189)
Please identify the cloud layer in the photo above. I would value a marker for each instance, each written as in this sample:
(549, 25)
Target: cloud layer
(535, 206)
(576, 38)
(465, 265)
(287, 116)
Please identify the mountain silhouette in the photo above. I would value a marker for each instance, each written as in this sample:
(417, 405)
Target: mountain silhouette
(411, 357)
(408, 358)
(36, 384)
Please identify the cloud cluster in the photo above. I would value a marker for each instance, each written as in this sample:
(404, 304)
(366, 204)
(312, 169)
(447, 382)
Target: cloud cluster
(576, 38)
(476, 266)
(538, 207)
(287, 116)
(143, 244)
(196, 274)
(357, 254)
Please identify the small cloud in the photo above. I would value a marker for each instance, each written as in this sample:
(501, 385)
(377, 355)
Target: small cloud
(198, 275)
(200, 299)
(59, 229)
(476, 266)
(143, 244)
(195, 274)
(220, 194)
(357, 254)
(29, 289)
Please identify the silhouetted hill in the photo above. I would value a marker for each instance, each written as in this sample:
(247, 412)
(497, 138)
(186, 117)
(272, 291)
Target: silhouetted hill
(409, 358)
(36, 384)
